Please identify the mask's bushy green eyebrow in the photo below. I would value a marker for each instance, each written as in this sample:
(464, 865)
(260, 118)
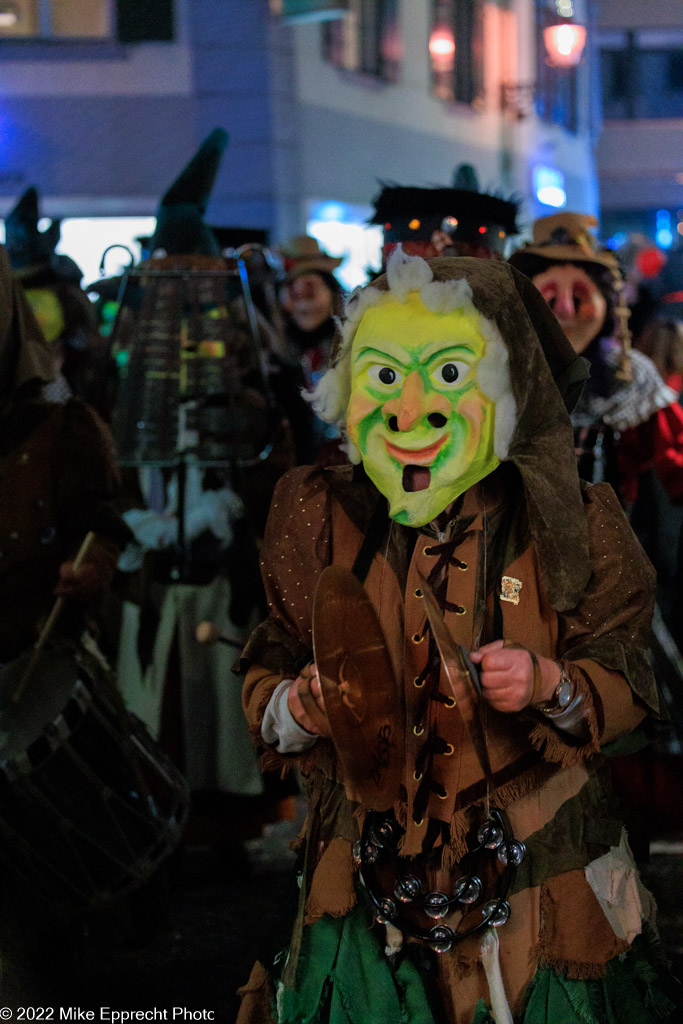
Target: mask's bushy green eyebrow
(377, 355)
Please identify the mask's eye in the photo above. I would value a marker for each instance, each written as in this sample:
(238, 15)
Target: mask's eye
(385, 375)
(451, 373)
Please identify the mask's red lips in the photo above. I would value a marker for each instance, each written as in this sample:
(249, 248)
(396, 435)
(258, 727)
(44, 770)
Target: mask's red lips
(418, 457)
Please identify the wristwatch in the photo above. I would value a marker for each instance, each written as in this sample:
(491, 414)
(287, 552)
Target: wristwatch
(562, 697)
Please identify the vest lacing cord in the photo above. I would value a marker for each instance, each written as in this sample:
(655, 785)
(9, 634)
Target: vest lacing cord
(401, 897)
(436, 577)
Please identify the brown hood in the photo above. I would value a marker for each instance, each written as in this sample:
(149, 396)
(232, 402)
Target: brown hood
(547, 377)
(25, 356)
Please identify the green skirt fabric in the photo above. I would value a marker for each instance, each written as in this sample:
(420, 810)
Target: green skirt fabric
(637, 988)
(344, 977)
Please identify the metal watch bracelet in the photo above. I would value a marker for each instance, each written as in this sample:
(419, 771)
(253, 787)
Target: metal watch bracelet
(570, 719)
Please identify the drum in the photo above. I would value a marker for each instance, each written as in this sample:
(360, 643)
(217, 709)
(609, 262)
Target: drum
(89, 804)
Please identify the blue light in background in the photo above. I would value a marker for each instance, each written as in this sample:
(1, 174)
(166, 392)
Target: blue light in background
(664, 236)
(617, 240)
(549, 186)
(331, 211)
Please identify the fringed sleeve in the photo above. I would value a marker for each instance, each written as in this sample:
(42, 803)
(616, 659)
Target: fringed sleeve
(605, 637)
(296, 548)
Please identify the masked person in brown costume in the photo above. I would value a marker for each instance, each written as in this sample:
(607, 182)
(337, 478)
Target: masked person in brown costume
(462, 859)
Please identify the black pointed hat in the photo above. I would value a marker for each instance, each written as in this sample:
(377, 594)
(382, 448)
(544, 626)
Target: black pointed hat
(410, 214)
(180, 228)
(32, 252)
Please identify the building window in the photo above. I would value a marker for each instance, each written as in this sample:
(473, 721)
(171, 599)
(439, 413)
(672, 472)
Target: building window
(366, 39)
(126, 20)
(642, 74)
(556, 95)
(456, 50)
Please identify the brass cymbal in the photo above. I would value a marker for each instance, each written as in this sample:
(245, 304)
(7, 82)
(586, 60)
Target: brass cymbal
(363, 701)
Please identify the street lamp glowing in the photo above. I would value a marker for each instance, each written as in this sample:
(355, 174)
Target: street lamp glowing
(564, 44)
(442, 48)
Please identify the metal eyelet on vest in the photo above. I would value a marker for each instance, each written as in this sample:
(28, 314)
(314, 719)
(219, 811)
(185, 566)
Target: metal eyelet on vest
(442, 796)
(418, 729)
(449, 702)
(418, 822)
(418, 682)
(418, 593)
(427, 551)
(449, 750)
(417, 776)
(462, 610)
(463, 567)
(417, 638)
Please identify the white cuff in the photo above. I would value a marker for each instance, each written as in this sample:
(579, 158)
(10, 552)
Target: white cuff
(279, 727)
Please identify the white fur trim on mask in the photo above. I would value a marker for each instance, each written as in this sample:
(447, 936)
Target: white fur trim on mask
(493, 377)
(330, 396)
(350, 449)
(446, 296)
(407, 274)
(506, 419)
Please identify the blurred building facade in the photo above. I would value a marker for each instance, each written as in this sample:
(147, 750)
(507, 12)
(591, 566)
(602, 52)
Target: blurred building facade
(322, 100)
(640, 149)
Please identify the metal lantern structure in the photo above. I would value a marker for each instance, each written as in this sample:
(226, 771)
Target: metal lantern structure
(193, 386)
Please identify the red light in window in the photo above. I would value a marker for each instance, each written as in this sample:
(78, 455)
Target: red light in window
(482, 229)
(414, 224)
(387, 226)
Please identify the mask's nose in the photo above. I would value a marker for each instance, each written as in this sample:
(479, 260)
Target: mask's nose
(564, 306)
(414, 405)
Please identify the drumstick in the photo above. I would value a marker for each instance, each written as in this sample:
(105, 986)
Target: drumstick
(50, 622)
(209, 633)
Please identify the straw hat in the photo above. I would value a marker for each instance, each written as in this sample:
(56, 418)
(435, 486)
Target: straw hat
(303, 255)
(567, 238)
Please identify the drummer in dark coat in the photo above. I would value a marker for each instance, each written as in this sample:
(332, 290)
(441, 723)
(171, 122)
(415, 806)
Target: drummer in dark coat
(58, 478)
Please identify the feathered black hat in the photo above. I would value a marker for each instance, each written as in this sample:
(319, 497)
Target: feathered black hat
(465, 214)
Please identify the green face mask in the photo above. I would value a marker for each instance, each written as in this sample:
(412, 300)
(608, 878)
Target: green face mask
(416, 413)
(48, 312)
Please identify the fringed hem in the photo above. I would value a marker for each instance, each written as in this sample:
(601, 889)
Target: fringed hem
(332, 889)
(586, 971)
(460, 824)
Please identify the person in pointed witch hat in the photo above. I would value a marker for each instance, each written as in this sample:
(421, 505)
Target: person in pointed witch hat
(197, 319)
(456, 221)
(52, 283)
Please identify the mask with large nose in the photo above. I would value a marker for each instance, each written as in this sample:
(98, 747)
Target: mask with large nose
(417, 413)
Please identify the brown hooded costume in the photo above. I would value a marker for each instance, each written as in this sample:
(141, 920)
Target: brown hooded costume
(584, 596)
(57, 481)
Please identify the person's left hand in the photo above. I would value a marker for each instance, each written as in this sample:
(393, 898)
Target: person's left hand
(82, 584)
(507, 676)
